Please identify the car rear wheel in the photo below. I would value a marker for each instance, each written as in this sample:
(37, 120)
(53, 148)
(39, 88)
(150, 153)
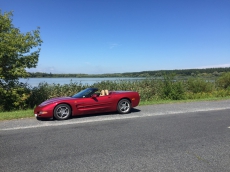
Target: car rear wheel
(124, 106)
(62, 111)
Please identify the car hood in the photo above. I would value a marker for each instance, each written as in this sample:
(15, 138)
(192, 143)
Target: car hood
(54, 100)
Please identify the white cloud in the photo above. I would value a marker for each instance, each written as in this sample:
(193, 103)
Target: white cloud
(113, 45)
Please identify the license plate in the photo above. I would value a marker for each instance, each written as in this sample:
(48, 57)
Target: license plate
(35, 115)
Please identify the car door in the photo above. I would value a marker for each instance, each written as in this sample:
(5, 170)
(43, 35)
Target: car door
(78, 106)
(97, 104)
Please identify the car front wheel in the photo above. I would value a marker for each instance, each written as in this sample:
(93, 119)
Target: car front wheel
(124, 106)
(62, 112)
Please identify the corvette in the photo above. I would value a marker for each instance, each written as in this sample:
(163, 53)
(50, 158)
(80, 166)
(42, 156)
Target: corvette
(87, 101)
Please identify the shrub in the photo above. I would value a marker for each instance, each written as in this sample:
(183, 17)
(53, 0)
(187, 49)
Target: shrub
(171, 89)
(14, 96)
(38, 94)
(224, 81)
(197, 85)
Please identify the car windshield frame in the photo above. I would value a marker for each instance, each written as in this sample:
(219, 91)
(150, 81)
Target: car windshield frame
(85, 93)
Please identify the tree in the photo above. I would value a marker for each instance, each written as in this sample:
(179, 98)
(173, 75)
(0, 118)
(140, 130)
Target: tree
(18, 51)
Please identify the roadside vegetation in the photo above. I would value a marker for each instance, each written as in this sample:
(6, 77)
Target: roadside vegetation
(24, 97)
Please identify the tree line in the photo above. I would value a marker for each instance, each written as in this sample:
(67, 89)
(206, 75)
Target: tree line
(157, 73)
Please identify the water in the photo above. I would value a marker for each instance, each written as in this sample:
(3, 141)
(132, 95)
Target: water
(35, 81)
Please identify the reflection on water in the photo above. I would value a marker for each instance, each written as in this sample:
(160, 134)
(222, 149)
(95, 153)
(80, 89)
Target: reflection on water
(35, 81)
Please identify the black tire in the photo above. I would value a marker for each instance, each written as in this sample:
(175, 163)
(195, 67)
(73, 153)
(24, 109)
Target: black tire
(62, 112)
(124, 106)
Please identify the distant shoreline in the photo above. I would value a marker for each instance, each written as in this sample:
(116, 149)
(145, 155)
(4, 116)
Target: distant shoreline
(158, 73)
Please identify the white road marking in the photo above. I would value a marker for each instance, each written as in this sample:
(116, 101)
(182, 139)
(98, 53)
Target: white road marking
(107, 118)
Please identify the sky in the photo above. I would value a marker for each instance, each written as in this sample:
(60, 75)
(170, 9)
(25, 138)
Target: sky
(117, 36)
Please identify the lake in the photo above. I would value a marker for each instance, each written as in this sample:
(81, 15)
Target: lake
(35, 81)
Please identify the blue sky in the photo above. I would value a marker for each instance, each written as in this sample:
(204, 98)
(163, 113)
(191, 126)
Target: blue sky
(116, 36)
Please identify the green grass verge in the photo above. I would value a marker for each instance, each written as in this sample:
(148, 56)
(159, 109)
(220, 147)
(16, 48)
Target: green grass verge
(20, 114)
(16, 114)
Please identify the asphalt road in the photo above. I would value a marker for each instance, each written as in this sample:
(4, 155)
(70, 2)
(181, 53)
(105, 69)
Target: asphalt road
(172, 137)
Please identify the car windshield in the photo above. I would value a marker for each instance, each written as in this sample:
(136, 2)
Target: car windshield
(85, 93)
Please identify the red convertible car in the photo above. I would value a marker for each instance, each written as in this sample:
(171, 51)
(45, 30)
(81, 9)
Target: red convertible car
(87, 101)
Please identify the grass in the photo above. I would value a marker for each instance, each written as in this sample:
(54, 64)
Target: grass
(21, 114)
